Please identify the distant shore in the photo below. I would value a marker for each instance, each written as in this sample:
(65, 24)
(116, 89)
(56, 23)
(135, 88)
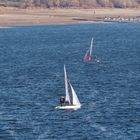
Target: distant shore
(11, 17)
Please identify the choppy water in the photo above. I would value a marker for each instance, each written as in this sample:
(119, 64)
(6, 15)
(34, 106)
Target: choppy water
(31, 82)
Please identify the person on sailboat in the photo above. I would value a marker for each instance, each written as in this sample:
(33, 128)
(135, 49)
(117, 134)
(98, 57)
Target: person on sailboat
(62, 100)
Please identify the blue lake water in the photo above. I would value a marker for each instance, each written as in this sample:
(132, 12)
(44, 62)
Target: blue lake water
(32, 80)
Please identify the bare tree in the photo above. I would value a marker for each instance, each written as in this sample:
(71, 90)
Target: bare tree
(72, 3)
(88, 3)
(104, 3)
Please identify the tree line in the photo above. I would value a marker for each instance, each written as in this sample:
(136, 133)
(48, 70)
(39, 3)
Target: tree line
(71, 3)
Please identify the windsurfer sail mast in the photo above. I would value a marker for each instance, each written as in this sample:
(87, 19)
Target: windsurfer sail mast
(74, 103)
(88, 55)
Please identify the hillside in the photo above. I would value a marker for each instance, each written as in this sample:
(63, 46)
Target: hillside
(70, 3)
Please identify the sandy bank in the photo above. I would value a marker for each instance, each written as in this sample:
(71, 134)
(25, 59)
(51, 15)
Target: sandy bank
(10, 17)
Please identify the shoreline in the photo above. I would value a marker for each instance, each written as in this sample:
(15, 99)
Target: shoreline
(12, 17)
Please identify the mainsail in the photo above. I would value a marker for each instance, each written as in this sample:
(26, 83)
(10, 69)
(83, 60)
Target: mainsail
(66, 86)
(91, 45)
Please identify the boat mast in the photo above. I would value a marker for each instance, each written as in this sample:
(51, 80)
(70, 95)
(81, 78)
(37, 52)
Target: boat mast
(66, 86)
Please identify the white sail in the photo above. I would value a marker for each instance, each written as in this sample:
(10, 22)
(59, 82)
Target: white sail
(66, 86)
(89, 51)
(91, 45)
(75, 99)
(86, 53)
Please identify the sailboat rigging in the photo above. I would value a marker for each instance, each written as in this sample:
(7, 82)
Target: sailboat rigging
(88, 55)
(75, 103)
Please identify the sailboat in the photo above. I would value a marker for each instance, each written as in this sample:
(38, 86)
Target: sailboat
(88, 55)
(74, 103)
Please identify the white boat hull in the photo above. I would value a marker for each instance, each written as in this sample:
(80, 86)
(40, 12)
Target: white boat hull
(74, 107)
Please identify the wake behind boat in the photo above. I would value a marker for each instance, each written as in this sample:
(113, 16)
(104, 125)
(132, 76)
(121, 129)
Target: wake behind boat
(67, 103)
